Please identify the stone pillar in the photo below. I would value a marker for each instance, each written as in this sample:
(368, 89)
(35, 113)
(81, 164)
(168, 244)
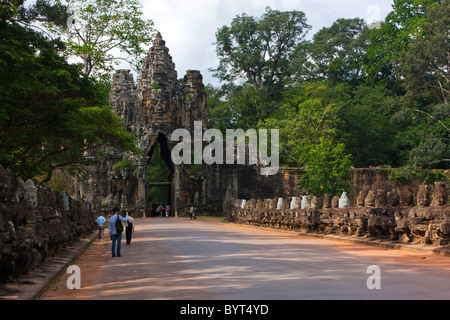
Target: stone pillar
(143, 187)
(177, 190)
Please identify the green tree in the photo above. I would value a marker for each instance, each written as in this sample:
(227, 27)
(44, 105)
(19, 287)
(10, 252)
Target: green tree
(222, 114)
(327, 169)
(307, 116)
(425, 72)
(389, 42)
(102, 33)
(51, 114)
(259, 51)
(42, 12)
(337, 52)
(407, 15)
(366, 124)
(425, 66)
(9, 9)
(233, 106)
(383, 45)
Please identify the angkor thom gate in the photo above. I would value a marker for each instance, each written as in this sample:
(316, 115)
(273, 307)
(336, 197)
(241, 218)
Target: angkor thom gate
(152, 109)
(155, 107)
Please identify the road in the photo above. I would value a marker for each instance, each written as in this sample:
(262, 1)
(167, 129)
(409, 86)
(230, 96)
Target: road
(180, 259)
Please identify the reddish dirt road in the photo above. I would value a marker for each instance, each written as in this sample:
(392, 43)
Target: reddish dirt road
(96, 262)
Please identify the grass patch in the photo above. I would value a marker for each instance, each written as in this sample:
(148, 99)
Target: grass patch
(219, 219)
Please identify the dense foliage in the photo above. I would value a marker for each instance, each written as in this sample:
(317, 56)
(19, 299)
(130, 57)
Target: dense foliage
(99, 33)
(353, 95)
(51, 113)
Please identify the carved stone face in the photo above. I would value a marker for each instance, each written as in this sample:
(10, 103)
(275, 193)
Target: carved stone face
(315, 203)
(335, 202)
(326, 201)
(286, 203)
(32, 193)
(259, 204)
(440, 196)
(439, 199)
(406, 197)
(380, 199)
(298, 203)
(293, 203)
(393, 198)
(370, 199)
(251, 204)
(304, 202)
(344, 201)
(423, 196)
(360, 199)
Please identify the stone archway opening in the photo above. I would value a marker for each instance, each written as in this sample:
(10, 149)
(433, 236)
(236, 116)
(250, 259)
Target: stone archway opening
(160, 173)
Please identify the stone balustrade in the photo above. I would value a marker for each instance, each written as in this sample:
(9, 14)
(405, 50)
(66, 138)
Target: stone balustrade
(377, 215)
(35, 223)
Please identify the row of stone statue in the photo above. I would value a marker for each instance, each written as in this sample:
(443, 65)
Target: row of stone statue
(424, 197)
(15, 191)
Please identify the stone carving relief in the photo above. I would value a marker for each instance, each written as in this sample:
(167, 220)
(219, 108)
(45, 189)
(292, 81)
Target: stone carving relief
(380, 215)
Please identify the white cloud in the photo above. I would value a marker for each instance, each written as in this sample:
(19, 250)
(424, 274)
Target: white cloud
(189, 26)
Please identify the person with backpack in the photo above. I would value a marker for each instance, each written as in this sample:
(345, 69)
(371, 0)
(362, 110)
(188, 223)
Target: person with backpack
(115, 231)
(129, 229)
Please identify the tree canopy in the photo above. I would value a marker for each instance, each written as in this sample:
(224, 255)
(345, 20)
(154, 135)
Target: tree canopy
(99, 33)
(368, 96)
(51, 113)
(259, 50)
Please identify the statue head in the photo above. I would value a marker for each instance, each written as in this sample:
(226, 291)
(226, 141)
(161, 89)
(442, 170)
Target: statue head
(423, 196)
(440, 196)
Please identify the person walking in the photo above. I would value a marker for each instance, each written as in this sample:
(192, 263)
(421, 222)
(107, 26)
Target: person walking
(168, 211)
(159, 210)
(115, 231)
(129, 229)
(101, 228)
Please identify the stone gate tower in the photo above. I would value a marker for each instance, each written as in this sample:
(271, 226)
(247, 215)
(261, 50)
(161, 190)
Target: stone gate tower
(159, 104)
(153, 108)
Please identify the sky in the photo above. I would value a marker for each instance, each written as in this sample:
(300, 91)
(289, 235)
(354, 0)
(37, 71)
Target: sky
(189, 26)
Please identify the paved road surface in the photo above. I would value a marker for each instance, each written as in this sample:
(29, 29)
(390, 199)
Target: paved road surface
(181, 259)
